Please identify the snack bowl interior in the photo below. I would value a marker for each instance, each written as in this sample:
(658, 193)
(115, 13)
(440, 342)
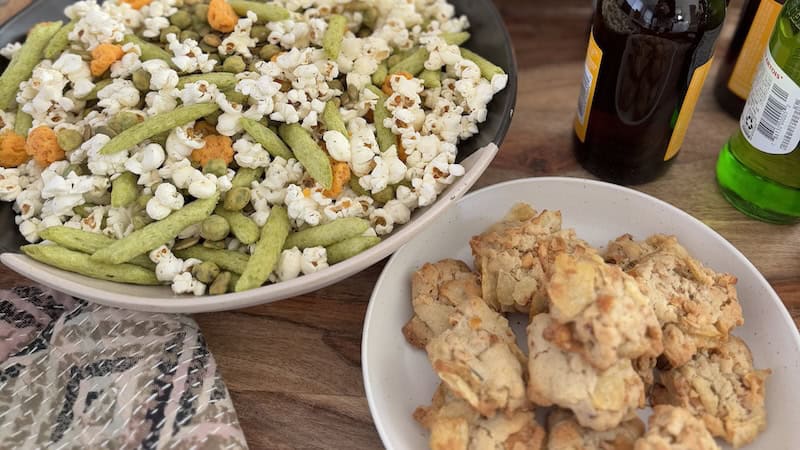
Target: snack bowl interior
(489, 38)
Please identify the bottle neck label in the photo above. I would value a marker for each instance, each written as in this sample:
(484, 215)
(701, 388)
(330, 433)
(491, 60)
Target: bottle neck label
(771, 116)
(744, 71)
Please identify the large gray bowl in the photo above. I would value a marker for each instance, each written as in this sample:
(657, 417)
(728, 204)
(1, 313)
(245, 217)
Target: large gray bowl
(489, 38)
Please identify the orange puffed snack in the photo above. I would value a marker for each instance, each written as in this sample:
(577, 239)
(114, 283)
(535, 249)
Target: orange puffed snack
(103, 56)
(12, 149)
(136, 4)
(217, 147)
(42, 145)
(221, 16)
(341, 175)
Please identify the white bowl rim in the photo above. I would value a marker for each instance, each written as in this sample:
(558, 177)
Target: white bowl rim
(368, 388)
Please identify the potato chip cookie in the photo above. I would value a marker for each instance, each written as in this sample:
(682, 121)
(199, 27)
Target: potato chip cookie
(479, 360)
(565, 433)
(721, 387)
(671, 428)
(601, 400)
(514, 258)
(455, 425)
(600, 312)
(695, 306)
(436, 289)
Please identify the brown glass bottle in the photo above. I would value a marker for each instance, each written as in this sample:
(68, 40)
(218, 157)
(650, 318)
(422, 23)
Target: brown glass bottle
(646, 64)
(738, 67)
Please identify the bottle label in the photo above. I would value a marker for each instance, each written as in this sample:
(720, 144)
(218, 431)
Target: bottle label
(770, 118)
(687, 109)
(591, 69)
(754, 45)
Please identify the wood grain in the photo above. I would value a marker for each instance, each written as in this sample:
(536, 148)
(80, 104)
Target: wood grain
(293, 368)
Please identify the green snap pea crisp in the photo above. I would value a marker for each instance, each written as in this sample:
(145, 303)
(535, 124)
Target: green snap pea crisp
(157, 124)
(327, 234)
(348, 248)
(385, 136)
(242, 227)
(267, 251)
(225, 259)
(266, 12)
(22, 64)
(266, 137)
(83, 264)
(308, 153)
(156, 233)
(87, 242)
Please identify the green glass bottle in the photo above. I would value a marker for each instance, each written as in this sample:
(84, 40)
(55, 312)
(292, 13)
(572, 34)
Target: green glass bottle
(759, 168)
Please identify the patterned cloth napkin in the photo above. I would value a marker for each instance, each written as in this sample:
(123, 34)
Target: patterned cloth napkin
(78, 375)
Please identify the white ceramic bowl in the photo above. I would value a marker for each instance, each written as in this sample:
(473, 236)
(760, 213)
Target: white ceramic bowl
(398, 377)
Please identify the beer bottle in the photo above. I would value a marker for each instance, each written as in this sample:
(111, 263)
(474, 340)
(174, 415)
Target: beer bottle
(645, 66)
(744, 54)
(758, 170)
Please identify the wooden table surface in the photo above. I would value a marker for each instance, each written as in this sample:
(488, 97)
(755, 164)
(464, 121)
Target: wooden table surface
(293, 367)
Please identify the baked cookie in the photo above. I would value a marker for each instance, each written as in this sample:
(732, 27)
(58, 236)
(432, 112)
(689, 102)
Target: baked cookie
(436, 289)
(455, 425)
(671, 428)
(601, 400)
(695, 306)
(514, 258)
(721, 387)
(565, 433)
(479, 360)
(599, 312)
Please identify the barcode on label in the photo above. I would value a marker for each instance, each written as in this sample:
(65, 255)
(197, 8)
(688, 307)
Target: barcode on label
(586, 85)
(774, 112)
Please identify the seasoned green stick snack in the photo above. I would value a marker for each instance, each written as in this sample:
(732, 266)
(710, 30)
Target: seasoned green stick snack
(380, 74)
(385, 136)
(488, 69)
(124, 190)
(21, 66)
(332, 118)
(245, 176)
(87, 242)
(264, 136)
(81, 263)
(225, 259)
(313, 158)
(456, 38)
(431, 78)
(327, 234)
(156, 233)
(266, 12)
(413, 64)
(149, 51)
(351, 247)
(22, 123)
(157, 124)
(222, 80)
(59, 42)
(334, 35)
(92, 95)
(242, 227)
(267, 251)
